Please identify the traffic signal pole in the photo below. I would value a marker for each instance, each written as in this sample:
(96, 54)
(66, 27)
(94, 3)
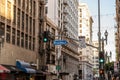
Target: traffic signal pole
(99, 40)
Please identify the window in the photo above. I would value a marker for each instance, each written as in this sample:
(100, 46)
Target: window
(14, 15)
(80, 20)
(23, 4)
(30, 25)
(30, 42)
(26, 23)
(22, 39)
(27, 5)
(9, 10)
(18, 19)
(26, 41)
(34, 9)
(53, 59)
(80, 52)
(19, 3)
(80, 10)
(22, 21)
(33, 44)
(13, 36)
(8, 34)
(2, 26)
(46, 10)
(30, 6)
(18, 38)
(80, 31)
(80, 25)
(33, 27)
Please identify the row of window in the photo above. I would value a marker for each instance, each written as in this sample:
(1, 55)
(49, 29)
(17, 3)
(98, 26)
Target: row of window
(27, 5)
(23, 21)
(19, 38)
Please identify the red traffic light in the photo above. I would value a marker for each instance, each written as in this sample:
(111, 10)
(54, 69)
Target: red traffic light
(101, 71)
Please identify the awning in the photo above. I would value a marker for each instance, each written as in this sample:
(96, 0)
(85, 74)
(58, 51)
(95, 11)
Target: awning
(4, 70)
(28, 70)
(13, 69)
(24, 66)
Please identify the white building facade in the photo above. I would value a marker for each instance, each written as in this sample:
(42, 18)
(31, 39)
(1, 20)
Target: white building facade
(86, 54)
(64, 13)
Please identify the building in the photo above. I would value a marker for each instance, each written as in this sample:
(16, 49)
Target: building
(64, 14)
(95, 60)
(86, 54)
(19, 27)
(118, 29)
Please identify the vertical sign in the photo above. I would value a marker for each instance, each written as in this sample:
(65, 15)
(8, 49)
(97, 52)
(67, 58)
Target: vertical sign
(82, 43)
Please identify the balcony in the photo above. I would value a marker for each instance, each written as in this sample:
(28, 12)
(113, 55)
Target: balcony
(65, 21)
(65, 12)
(65, 2)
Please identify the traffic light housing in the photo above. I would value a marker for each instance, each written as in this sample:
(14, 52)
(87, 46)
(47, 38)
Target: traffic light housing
(101, 57)
(45, 36)
(101, 71)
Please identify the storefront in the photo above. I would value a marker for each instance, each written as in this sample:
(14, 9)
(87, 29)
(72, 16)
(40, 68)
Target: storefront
(28, 72)
(3, 73)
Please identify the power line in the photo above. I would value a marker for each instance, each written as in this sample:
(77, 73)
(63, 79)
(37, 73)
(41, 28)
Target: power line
(110, 14)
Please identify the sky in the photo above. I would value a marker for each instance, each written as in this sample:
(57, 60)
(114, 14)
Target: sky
(107, 19)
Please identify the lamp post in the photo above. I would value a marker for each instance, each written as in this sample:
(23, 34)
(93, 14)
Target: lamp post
(108, 56)
(101, 49)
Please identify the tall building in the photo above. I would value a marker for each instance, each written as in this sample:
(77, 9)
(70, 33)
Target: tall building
(85, 29)
(118, 29)
(65, 15)
(19, 34)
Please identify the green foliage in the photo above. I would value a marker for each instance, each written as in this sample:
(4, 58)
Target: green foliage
(109, 66)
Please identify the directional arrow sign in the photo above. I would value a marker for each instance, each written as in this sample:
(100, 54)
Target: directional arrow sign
(60, 42)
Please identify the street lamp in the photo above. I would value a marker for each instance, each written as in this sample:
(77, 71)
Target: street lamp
(106, 34)
(108, 56)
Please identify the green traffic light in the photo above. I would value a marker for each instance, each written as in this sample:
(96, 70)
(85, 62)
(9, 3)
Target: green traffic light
(101, 60)
(45, 39)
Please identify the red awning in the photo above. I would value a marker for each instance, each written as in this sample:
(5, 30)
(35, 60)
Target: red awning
(4, 70)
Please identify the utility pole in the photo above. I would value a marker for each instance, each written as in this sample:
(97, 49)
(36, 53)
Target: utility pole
(101, 47)
(99, 40)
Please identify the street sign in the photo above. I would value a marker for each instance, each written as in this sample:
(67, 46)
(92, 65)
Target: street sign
(58, 67)
(60, 42)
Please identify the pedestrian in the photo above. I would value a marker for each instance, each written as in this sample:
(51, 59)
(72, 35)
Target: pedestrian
(117, 78)
(113, 78)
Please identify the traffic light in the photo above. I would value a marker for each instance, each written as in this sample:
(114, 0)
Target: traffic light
(45, 36)
(101, 71)
(101, 57)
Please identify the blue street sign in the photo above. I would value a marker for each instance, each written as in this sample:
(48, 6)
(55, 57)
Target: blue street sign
(60, 42)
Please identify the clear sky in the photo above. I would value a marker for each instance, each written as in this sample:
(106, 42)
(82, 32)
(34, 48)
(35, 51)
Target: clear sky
(107, 12)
